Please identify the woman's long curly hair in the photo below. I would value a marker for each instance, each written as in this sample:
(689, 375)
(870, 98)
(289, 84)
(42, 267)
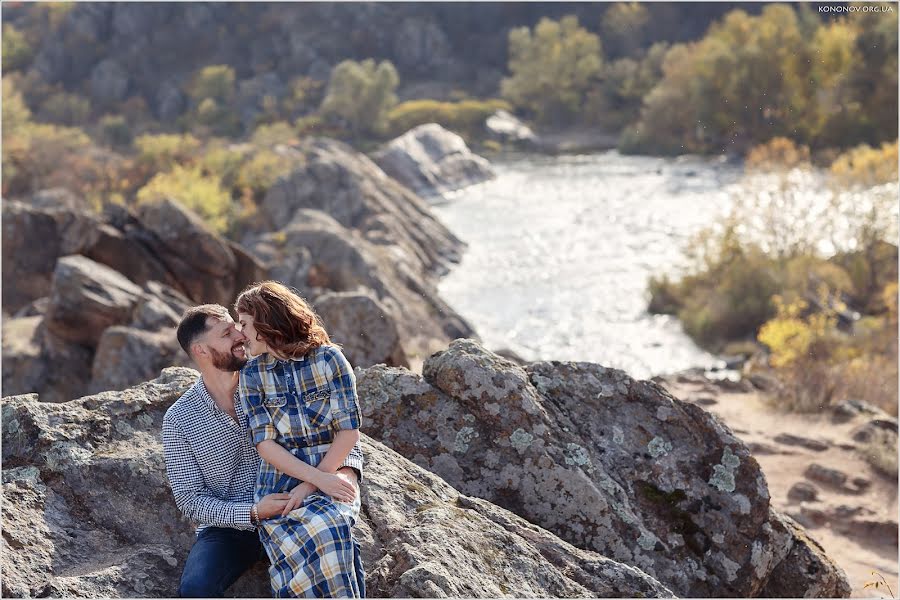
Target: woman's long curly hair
(283, 320)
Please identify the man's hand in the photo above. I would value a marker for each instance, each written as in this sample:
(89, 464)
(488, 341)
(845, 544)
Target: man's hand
(297, 496)
(271, 505)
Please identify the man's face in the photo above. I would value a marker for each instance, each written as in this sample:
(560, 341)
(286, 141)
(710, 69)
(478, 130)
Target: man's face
(225, 344)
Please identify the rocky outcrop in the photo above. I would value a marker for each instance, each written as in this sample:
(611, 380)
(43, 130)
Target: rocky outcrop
(608, 463)
(432, 161)
(507, 129)
(86, 298)
(363, 327)
(338, 223)
(76, 473)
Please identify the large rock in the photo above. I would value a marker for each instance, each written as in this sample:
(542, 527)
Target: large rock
(127, 356)
(23, 364)
(86, 298)
(27, 266)
(337, 222)
(363, 327)
(201, 260)
(76, 474)
(504, 127)
(608, 463)
(432, 161)
(315, 253)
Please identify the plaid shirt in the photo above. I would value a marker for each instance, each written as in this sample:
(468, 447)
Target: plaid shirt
(300, 404)
(210, 461)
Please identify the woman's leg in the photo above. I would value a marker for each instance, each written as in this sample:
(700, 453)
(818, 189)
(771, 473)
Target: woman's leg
(317, 555)
(218, 557)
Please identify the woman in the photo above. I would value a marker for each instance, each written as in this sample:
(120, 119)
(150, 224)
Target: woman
(299, 393)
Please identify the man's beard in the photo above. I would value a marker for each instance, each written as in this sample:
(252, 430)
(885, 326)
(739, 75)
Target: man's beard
(227, 361)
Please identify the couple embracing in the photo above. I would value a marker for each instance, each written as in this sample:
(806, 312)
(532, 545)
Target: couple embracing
(265, 450)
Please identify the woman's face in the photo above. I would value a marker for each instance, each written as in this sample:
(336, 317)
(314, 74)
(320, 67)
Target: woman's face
(254, 345)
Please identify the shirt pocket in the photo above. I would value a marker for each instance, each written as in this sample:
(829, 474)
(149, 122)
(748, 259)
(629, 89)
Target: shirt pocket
(275, 400)
(317, 407)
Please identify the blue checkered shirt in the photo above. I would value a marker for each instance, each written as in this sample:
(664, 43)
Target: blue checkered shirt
(211, 462)
(301, 404)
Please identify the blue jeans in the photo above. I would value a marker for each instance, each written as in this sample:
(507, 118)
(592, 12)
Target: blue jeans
(219, 556)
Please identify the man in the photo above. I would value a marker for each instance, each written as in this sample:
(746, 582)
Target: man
(210, 461)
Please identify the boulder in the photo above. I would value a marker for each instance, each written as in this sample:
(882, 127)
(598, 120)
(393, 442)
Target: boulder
(315, 253)
(607, 463)
(363, 327)
(432, 161)
(75, 474)
(23, 364)
(28, 264)
(127, 356)
(86, 298)
(507, 129)
(201, 260)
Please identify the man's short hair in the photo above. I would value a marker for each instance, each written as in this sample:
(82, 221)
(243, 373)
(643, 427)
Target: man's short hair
(193, 323)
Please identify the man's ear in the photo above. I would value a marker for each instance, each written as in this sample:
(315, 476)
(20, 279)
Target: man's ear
(198, 349)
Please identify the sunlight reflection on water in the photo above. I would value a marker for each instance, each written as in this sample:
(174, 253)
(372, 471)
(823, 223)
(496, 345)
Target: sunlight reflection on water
(560, 250)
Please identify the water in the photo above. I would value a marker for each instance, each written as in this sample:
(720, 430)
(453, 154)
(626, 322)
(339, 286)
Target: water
(560, 250)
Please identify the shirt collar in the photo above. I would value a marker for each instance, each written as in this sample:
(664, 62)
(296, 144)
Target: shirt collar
(208, 399)
(268, 361)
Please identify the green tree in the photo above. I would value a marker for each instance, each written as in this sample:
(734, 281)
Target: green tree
(624, 28)
(552, 69)
(360, 95)
(17, 52)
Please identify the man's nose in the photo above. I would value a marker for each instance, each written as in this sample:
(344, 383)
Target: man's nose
(241, 337)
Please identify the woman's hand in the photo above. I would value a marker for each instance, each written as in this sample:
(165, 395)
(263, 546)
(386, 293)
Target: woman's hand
(297, 496)
(336, 486)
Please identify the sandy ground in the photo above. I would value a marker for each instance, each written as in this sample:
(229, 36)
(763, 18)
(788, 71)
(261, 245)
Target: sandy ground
(855, 521)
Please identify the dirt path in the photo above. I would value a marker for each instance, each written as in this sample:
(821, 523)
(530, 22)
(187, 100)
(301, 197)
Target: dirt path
(847, 506)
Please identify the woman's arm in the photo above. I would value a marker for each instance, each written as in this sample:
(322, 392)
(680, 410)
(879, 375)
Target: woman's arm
(328, 482)
(343, 443)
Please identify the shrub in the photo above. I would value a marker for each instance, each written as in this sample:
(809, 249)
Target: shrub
(66, 109)
(114, 130)
(552, 68)
(360, 94)
(161, 152)
(866, 166)
(200, 193)
(262, 170)
(279, 132)
(17, 52)
(778, 153)
(466, 117)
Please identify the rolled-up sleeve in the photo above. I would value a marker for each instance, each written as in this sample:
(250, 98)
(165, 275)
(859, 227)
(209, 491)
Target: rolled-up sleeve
(252, 396)
(344, 400)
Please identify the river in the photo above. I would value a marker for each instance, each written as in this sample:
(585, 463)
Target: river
(560, 251)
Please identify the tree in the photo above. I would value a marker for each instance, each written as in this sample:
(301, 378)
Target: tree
(360, 95)
(552, 69)
(624, 28)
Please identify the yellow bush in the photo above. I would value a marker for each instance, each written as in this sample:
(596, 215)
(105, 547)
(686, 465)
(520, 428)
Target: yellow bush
(262, 170)
(270, 134)
(202, 194)
(777, 153)
(465, 117)
(867, 166)
(161, 152)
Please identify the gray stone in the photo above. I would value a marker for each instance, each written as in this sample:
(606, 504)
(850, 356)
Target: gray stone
(432, 161)
(86, 298)
(76, 474)
(825, 475)
(580, 450)
(803, 491)
(363, 327)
